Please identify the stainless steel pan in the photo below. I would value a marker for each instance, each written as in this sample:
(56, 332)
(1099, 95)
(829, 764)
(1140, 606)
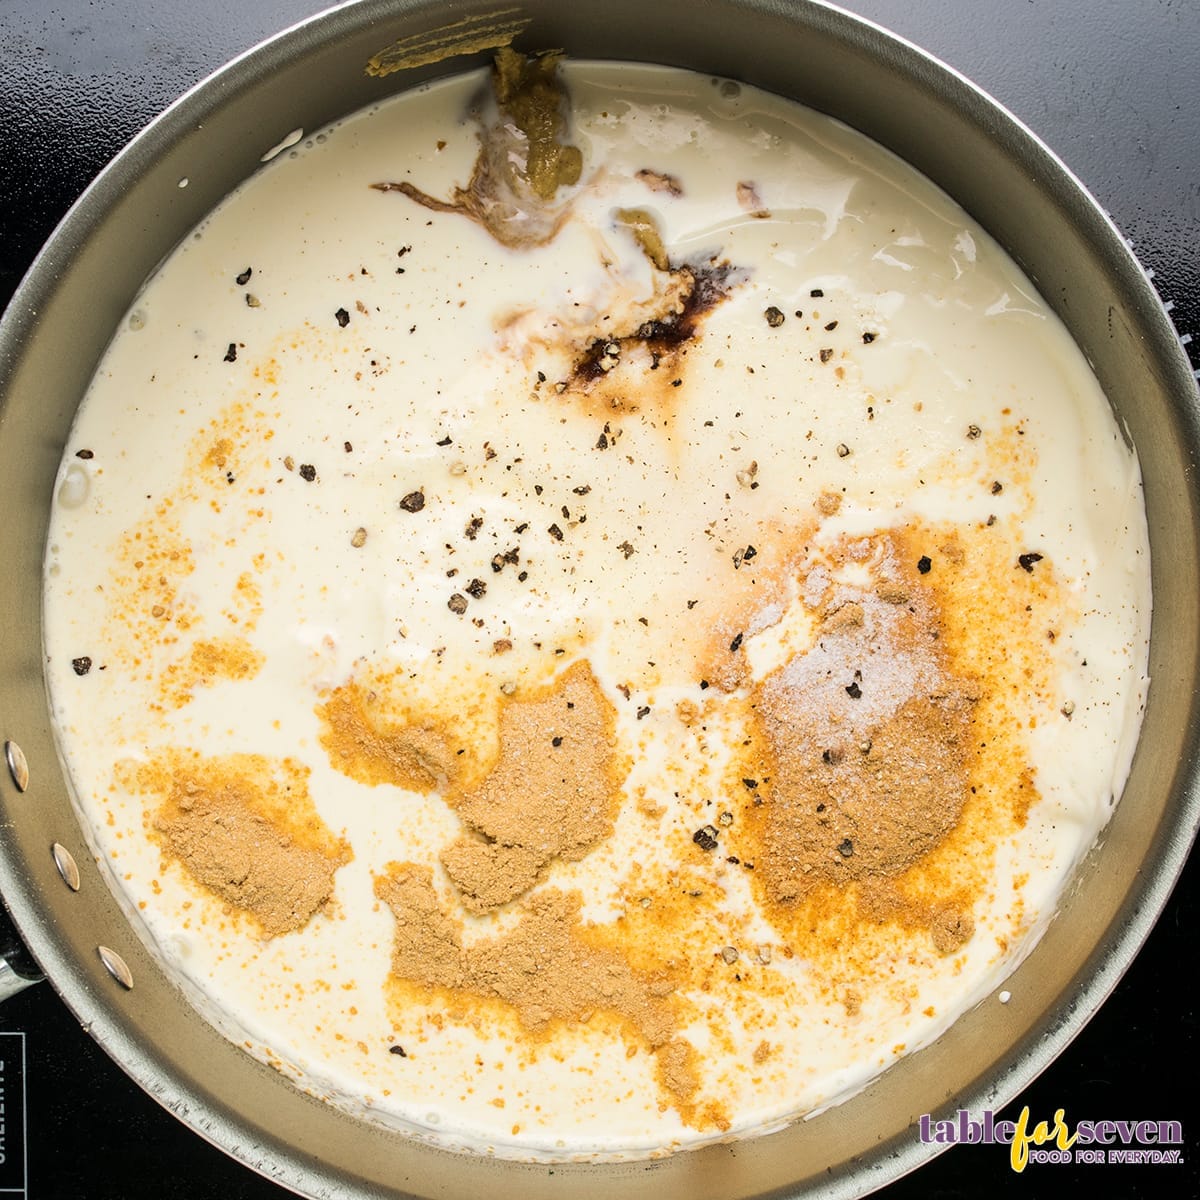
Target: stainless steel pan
(64, 313)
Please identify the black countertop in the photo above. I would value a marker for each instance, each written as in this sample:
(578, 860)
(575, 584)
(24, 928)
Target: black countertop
(1110, 85)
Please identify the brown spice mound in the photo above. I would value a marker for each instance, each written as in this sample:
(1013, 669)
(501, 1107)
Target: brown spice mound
(951, 928)
(544, 967)
(553, 792)
(828, 503)
(948, 921)
(244, 827)
(363, 744)
(869, 745)
(488, 874)
(864, 813)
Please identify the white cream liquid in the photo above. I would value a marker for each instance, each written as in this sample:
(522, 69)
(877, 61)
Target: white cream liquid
(761, 425)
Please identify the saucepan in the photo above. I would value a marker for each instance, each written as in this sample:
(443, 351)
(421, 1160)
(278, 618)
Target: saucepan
(71, 302)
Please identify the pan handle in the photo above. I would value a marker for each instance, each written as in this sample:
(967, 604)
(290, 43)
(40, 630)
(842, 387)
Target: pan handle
(11, 982)
(18, 970)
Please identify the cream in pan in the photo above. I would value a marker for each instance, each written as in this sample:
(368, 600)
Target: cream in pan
(592, 673)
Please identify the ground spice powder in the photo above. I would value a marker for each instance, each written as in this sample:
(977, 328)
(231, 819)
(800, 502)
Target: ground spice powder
(244, 827)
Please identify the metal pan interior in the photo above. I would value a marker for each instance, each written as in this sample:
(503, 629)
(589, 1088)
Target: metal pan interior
(136, 212)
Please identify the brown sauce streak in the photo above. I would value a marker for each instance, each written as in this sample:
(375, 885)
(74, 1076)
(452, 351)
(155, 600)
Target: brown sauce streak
(664, 338)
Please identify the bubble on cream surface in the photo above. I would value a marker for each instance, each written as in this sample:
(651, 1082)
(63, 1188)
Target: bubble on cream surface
(638, 683)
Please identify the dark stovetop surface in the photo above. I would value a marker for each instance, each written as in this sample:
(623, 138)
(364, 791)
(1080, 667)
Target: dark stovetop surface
(1109, 84)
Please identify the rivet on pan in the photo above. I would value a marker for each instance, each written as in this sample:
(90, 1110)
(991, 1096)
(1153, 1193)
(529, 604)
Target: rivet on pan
(65, 863)
(115, 965)
(18, 768)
